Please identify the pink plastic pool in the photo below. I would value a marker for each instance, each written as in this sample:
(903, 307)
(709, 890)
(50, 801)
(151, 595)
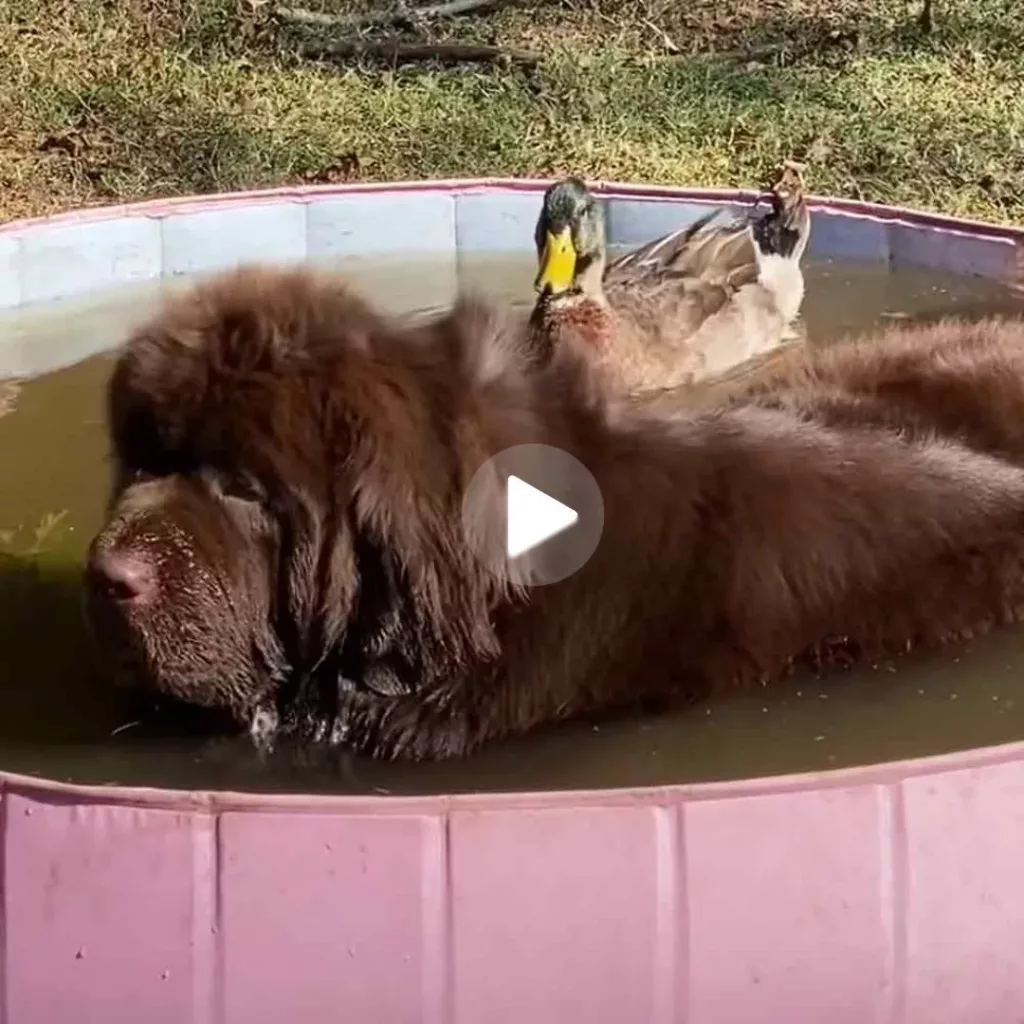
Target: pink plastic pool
(888, 894)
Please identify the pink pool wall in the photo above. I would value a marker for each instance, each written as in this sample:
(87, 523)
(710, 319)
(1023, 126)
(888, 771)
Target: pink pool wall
(891, 894)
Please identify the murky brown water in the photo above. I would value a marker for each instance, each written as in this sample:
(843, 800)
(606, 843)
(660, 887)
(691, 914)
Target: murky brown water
(57, 717)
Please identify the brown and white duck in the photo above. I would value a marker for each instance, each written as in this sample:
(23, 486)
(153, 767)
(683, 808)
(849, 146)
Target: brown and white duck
(682, 308)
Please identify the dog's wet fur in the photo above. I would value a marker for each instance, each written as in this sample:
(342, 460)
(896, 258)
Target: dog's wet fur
(290, 469)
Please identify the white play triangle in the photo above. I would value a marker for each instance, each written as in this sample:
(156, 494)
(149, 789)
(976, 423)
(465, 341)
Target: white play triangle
(532, 517)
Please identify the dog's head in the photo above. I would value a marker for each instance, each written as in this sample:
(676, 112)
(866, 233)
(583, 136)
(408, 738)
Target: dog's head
(286, 504)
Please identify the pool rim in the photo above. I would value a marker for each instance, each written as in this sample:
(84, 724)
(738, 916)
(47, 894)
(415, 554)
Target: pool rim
(216, 801)
(606, 188)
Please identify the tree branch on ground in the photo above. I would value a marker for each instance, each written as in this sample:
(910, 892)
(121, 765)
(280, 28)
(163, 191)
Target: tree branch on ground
(788, 49)
(399, 14)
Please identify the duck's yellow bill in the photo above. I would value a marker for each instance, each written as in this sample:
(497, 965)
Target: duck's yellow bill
(557, 263)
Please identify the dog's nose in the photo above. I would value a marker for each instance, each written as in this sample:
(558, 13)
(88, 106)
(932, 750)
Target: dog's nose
(123, 575)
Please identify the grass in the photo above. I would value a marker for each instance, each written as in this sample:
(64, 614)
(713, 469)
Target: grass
(117, 100)
(8, 396)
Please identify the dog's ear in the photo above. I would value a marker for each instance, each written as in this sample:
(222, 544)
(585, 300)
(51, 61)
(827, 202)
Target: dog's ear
(415, 519)
(386, 482)
(318, 581)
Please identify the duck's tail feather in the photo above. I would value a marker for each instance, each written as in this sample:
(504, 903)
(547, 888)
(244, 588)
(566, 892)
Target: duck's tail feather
(785, 229)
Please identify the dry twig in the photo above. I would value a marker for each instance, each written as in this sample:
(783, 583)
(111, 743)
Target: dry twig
(925, 19)
(667, 42)
(394, 51)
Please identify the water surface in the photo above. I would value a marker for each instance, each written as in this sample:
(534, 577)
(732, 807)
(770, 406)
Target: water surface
(59, 719)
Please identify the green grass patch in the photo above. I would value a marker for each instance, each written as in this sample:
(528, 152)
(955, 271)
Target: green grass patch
(132, 99)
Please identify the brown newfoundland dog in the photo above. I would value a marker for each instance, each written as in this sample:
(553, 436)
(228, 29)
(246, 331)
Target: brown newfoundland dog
(285, 543)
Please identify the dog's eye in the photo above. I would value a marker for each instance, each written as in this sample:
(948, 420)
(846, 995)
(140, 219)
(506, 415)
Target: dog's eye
(243, 490)
(240, 488)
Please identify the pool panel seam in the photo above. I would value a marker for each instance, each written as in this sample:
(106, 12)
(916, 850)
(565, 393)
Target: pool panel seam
(436, 940)
(895, 897)
(671, 954)
(207, 980)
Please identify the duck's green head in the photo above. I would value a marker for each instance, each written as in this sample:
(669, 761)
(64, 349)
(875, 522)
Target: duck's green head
(569, 235)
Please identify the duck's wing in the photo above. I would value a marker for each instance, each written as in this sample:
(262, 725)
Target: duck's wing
(685, 296)
(714, 293)
(714, 248)
(724, 249)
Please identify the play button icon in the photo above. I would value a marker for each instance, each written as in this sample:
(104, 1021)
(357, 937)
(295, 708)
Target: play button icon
(533, 514)
(532, 517)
